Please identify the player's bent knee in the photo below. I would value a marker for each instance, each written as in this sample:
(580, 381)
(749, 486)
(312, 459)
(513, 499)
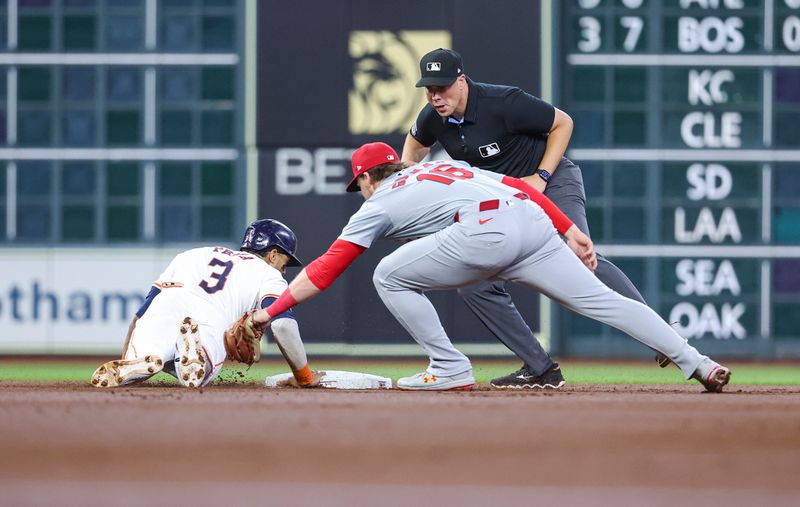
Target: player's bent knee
(380, 277)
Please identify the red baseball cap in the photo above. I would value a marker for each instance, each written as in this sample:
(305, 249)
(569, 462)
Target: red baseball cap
(368, 156)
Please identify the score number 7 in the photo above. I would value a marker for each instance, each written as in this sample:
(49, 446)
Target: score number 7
(590, 27)
(590, 33)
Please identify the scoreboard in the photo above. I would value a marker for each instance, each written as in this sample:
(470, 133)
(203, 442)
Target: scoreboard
(687, 129)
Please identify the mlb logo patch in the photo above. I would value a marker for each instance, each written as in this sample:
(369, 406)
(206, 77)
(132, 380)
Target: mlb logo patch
(434, 66)
(489, 150)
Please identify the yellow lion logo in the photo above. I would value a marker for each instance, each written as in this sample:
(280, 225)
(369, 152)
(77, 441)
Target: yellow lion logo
(383, 99)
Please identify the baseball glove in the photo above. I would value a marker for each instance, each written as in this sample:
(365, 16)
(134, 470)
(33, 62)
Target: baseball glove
(243, 340)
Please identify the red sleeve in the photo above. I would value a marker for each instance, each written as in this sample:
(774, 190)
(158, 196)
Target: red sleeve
(282, 304)
(321, 272)
(327, 267)
(560, 220)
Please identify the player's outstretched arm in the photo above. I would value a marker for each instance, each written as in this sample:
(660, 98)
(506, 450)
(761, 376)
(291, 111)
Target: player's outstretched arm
(287, 336)
(286, 331)
(312, 280)
(301, 289)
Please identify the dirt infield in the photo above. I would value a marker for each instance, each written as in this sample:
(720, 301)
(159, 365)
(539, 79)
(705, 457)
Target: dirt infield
(70, 444)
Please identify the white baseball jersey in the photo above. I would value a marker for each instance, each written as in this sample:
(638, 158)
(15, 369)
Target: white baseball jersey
(396, 212)
(214, 286)
(228, 282)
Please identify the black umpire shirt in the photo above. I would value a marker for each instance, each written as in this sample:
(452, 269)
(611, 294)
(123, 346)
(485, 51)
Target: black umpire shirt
(503, 129)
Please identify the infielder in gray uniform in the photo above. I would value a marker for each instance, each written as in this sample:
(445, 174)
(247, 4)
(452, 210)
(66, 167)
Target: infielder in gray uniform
(463, 225)
(505, 130)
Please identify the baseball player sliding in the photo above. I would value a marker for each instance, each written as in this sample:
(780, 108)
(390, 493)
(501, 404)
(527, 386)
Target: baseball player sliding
(181, 327)
(470, 225)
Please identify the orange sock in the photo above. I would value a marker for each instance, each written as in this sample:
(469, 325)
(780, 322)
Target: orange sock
(303, 375)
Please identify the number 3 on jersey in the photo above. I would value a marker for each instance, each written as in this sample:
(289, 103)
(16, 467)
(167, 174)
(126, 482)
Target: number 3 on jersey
(220, 277)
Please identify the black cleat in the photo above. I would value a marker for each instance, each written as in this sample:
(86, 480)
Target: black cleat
(524, 378)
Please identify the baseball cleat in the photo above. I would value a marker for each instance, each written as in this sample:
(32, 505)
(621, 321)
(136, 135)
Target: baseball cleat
(712, 375)
(191, 365)
(524, 378)
(428, 382)
(126, 371)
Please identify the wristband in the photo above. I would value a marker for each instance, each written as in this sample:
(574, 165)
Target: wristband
(543, 174)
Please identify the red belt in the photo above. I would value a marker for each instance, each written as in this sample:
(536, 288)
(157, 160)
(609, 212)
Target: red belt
(494, 204)
(489, 205)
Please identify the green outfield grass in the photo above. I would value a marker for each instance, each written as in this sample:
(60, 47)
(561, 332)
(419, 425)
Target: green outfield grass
(575, 372)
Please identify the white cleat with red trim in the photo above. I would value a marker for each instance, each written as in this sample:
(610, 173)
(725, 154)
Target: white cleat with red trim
(428, 382)
(191, 366)
(712, 375)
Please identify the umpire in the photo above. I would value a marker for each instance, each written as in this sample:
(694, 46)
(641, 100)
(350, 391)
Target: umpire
(508, 131)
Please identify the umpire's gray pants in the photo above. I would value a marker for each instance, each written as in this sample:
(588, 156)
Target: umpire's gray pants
(519, 245)
(492, 304)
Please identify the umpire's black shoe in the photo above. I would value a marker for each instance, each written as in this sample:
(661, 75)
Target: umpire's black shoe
(524, 378)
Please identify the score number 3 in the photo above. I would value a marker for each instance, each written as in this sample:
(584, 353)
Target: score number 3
(591, 39)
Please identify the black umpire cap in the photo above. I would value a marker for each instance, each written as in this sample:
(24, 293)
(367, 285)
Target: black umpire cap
(440, 67)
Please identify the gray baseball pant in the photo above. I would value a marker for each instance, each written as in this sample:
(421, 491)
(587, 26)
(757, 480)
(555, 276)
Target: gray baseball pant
(492, 304)
(519, 245)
